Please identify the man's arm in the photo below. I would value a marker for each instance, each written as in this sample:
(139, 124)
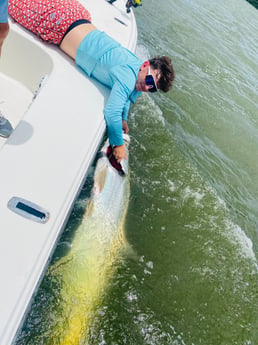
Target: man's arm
(113, 113)
(124, 117)
(126, 110)
(4, 26)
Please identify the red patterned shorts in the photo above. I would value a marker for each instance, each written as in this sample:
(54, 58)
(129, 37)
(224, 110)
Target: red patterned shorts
(49, 19)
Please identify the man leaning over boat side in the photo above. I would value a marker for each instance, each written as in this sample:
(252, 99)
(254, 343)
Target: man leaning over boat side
(4, 26)
(67, 24)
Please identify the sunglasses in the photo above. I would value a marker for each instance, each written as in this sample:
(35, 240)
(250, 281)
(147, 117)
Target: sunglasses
(150, 81)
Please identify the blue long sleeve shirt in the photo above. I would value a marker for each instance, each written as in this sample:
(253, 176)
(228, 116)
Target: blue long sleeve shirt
(3, 11)
(103, 58)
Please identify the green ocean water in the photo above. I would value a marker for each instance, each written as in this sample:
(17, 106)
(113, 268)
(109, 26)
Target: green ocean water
(190, 277)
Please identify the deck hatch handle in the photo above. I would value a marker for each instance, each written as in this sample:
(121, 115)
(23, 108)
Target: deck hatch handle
(28, 209)
(120, 21)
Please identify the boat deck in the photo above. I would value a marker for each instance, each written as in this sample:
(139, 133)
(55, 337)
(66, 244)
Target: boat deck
(15, 99)
(57, 115)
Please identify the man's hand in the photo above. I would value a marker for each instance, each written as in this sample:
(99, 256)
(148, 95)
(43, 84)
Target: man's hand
(119, 152)
(125, 126)
(4, 29)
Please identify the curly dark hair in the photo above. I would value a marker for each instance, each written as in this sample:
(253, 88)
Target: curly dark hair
(167, 75)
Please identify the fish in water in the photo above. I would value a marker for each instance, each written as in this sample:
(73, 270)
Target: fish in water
(84, 272)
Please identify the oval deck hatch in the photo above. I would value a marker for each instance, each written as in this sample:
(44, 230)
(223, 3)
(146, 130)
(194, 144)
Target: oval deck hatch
(28, 209)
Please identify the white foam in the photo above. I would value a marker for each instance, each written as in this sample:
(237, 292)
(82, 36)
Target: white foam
(150, 265)
(197, 195)
(234, 233)
(131, 296)
(172, 186)
(142, 52)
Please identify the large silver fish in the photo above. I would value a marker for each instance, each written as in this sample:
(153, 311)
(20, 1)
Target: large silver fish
(84, 272)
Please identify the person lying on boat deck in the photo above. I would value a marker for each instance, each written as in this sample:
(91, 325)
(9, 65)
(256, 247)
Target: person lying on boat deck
(67, 23)
(4, 26)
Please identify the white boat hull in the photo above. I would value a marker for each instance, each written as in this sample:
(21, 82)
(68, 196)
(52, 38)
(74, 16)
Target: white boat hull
(57, 131)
